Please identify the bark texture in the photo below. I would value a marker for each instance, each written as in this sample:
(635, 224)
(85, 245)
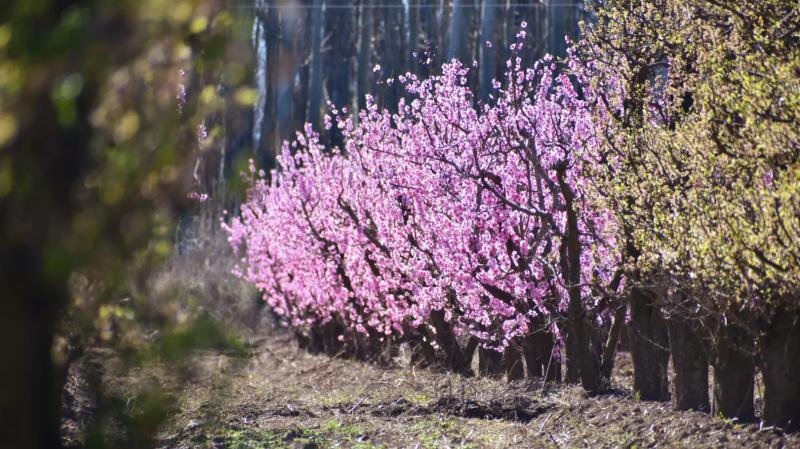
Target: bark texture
(782, 372)
(455, 358)
(512, 363)
(612, 342)
(539, 358)
(490, 362)
(649, 347)
(690, 361)
(29, 396)
(734, 369)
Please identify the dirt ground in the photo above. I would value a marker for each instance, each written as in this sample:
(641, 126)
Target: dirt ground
(282, 397)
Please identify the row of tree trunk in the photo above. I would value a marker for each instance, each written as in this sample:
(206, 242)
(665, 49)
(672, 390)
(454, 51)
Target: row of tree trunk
(696, 345)
(732, 347)
(311, 52)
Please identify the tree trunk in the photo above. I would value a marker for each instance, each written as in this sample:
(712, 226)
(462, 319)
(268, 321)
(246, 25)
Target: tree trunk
(333, 330)
(612, 342)
(303, 341)
(585, 340)
(269, 127)
(260, 75)
(390, 351)
(538, 351)
(509, 28)
(538, 30)
(30, 396)
(487, 53)
(457, 47)
(391, 56)
(364, 58)
(338, 63)
(512, 363)
(490, 362)
(781, 349)
(690, 361)
(422, 353)
(556, 18)
(412, 22)
(535, 370)
(649, 347)
(302, 80)
(469, 350)
(532, 43)
(734, 369)
(454, 356)
(287, 69)
(430, 24)
(589, 355)
(316, 340)
(562, 18)
(573, 372)
(315, 71)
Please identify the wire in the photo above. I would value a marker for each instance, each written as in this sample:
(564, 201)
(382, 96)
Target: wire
(402, 6)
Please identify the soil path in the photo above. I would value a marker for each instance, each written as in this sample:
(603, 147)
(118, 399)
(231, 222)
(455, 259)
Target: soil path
(282, 397)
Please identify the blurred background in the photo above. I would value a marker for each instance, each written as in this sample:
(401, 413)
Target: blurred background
(309, 53)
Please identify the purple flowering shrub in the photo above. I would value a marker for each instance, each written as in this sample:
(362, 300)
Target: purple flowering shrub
(476, 213)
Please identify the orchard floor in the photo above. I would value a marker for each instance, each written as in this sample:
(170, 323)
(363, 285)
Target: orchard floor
(283, 397)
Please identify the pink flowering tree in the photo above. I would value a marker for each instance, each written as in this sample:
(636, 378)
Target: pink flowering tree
(521, 242)
(444, 222)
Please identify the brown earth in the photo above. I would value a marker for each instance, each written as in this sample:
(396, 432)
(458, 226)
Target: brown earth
(282, 397)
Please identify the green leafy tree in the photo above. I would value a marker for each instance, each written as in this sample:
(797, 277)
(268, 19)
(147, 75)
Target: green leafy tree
(701, 163)
(96, 139)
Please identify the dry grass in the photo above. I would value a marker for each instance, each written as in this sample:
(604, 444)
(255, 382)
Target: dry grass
(284, 397)
(198, 277)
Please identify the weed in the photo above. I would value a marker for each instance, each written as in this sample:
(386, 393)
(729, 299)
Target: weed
(336, 400)
(418, 398)
(338, 428)
(332, 434)
(440, 432)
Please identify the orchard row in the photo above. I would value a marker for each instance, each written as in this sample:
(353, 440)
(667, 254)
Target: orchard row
(627, 188)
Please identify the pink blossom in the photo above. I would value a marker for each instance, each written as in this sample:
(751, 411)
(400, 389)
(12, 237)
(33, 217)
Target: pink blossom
(438, 207)
(199, 197)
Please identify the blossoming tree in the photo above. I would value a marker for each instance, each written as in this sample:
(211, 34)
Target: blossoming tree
(447, 221)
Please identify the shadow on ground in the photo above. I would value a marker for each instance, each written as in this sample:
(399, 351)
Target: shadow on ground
(282, 397)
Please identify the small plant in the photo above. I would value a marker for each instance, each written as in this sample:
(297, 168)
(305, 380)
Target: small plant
(418, 398)
(626, 441)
